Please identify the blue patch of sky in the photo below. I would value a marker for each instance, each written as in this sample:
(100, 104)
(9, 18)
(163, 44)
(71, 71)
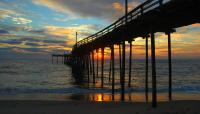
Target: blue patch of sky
(43, 16)
(194, 29)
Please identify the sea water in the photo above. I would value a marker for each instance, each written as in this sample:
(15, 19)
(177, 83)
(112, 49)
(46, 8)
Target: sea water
(36, 78)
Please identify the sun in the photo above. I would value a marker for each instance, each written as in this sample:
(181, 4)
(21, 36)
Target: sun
(99, 55)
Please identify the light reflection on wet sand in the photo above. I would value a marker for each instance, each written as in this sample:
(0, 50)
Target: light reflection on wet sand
(101, 97)
(139, 97)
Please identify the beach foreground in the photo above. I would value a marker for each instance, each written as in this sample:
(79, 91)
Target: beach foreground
(76, 107)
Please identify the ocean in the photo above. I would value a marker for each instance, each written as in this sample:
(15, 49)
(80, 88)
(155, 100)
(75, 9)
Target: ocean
(36, 78)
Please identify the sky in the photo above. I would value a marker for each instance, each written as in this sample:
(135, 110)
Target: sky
(49, 26)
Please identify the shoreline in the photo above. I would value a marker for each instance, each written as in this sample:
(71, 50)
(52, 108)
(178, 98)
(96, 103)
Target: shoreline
(107, 97)
(88, 107)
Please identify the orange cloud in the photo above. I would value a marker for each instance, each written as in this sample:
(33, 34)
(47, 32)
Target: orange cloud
(120, 7)
(133, 5)
(69, 32)
(196, 25)
(117, 6)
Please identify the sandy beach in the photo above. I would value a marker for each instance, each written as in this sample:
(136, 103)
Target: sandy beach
(76, 107)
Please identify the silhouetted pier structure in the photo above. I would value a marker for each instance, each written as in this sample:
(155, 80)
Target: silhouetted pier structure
(144, 21)
(64, 57)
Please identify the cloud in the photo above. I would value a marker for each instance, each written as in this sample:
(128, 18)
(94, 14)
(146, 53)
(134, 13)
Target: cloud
(106, 9)
(69, 32)
(5, 13)
(36, 45)
(182, 30)
(117, 6)
(61, 19)
(27, 51)
(20, 31)
(133, 4)
(53, 31)
(32, 41)
(20, 50)
(11, 27)
(196, 25)
(39, 31)
(15, 8)
(3, 31)
(13, 41)
(21, 20)
(48, 35)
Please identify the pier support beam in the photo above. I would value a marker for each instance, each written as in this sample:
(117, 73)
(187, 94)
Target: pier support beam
(153, 61)
(147, 70)
(170, 65)
(90, 64)
(113, 70)
(97, 72)
(93, 67)
(102, 67)
(110, 68)
(85, 62)
(123, 71)
(120, 61)
(88, 68)
(130, 64)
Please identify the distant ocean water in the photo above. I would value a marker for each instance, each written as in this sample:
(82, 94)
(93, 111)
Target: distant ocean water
(39, 77)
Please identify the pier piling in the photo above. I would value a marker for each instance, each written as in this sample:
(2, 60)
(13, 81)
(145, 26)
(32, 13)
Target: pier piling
(88, 66)
(113, 70)
(130, 63)
(120, 62)
(102, 67)
(147, 68)
(153, 62)
(123, 71)
(110, 68)
(97, 72)
(170, 65)
(93, 67)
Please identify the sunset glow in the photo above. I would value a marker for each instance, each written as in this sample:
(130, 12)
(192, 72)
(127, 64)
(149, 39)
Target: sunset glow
(48, 26)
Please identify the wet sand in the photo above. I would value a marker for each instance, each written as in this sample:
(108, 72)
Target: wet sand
(76, 107)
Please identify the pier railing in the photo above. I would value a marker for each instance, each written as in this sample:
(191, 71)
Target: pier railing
(134, 14)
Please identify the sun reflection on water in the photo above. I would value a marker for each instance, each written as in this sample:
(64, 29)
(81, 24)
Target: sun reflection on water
(99, 97)
(132, 97)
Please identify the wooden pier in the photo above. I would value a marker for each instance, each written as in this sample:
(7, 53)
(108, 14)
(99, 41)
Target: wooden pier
(144, 21)
(65, 58)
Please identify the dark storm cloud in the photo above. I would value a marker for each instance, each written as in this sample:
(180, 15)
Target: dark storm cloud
(3, 31)
(13, 41)
(34, 49)
(39, 31)
(18, 41)
(34, 42)
(8, 27)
